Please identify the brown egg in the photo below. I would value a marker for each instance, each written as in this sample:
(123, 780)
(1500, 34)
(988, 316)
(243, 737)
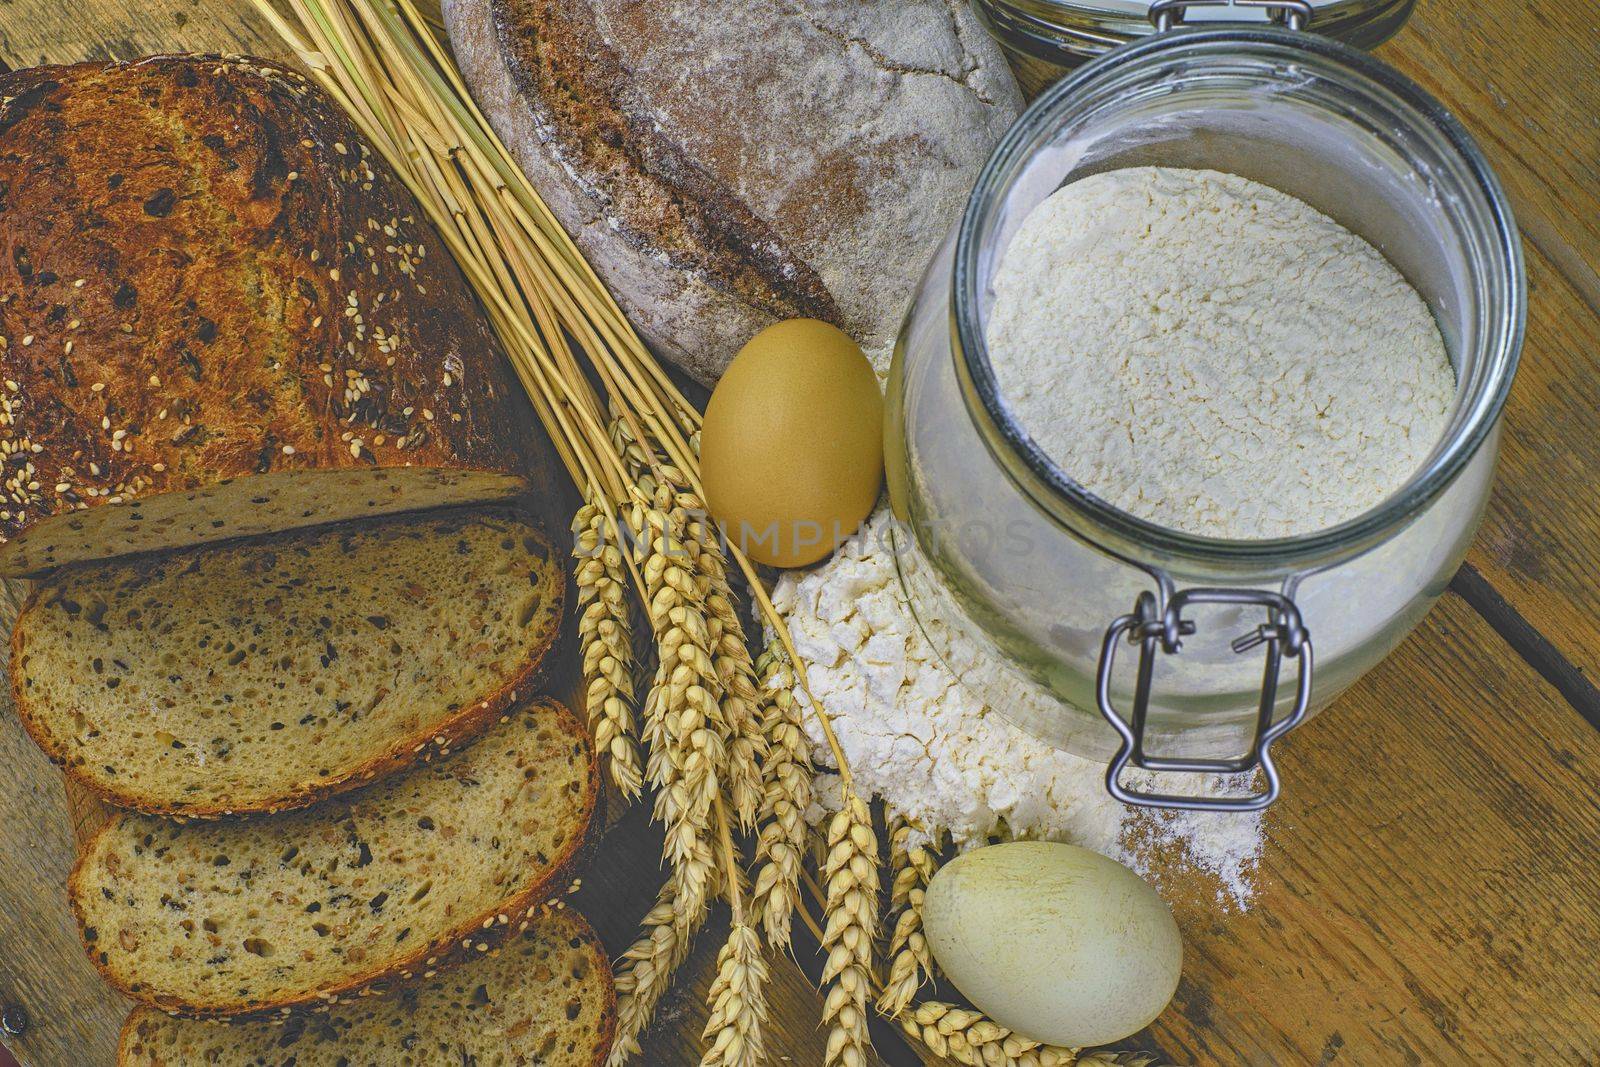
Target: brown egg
(791, 453)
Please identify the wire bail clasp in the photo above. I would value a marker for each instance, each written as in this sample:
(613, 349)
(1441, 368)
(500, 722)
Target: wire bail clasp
(1295, 14)
(1157, 632)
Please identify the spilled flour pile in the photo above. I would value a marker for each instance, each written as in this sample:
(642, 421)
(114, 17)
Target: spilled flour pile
(935, 753)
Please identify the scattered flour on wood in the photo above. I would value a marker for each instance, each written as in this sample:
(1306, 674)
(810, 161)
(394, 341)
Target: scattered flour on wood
(936, 753)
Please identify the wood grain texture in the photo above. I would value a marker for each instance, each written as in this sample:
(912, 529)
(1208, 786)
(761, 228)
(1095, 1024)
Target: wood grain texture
(1428, 892)
(1524, 78)
(1425, 893)
(33, 32)
(42, 964)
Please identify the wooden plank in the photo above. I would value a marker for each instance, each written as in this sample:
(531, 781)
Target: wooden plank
(1429, 894)
(34, 32)
(1525, 80)
(72, 1012)
(1537, 545)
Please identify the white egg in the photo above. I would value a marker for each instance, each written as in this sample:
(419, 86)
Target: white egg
(1056, 942)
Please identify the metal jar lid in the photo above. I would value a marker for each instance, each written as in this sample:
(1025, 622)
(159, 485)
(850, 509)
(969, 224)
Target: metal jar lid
(1066, 32)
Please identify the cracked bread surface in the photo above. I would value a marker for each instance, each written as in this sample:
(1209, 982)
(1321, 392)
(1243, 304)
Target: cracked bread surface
(222, 314)
(262, 675)
(545, 997)
(253, 917)
(716, 191)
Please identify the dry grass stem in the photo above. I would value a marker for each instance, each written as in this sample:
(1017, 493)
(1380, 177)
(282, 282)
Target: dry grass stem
(850, 875)
(910, 962)
(607, 643)
(781, 838)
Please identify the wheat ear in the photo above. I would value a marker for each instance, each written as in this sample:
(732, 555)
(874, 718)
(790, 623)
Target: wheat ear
(973, 1039)
(645, 970)
(733, 1033)
(607, 642)
(686, 756)
(730, 654)
(850, 877)
(786, 794)
(739, 728)
(910, 962)
(738, 1008)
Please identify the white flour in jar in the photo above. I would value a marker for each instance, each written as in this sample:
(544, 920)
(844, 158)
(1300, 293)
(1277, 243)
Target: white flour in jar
(1213, 355)
(1200, 350)
(934, 752)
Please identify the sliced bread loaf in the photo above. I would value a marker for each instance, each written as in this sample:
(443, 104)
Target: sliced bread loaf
(222, 314)
(256, 916)
(544, 998)
(262, 675)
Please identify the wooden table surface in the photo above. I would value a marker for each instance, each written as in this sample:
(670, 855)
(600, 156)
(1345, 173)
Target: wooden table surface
(1429, 891)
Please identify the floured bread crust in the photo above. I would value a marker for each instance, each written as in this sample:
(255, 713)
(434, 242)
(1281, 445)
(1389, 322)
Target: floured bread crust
(803, 159)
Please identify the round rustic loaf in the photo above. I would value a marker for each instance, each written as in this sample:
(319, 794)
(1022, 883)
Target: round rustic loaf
(222, 314)
(726, 166)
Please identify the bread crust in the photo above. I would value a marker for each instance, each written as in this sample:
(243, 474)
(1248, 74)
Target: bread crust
(608, 1011)
(703, 239)
(206, 274)
(607, 1035)
(438, 954)
(423, 747)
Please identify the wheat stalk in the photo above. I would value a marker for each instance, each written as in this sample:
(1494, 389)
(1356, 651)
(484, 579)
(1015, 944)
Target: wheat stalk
(607, 643)
(733, 1031)
(781, 841)
(644, 972)
(738, 1011)
(682, 715)
(850, 875)
(973, 1039)
(746, 745)
(910, 962)
(380, 60)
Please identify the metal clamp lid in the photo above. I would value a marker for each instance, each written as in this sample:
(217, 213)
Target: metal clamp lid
(1295, 14)
(1157, 631)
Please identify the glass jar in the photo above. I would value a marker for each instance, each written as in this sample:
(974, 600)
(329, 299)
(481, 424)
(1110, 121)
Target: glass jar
(1027, 584)
(1063, 33)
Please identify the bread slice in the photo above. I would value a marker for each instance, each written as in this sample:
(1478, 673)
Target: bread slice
(224, 315)
(256, 916)
(262, 675)
(543, 998)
